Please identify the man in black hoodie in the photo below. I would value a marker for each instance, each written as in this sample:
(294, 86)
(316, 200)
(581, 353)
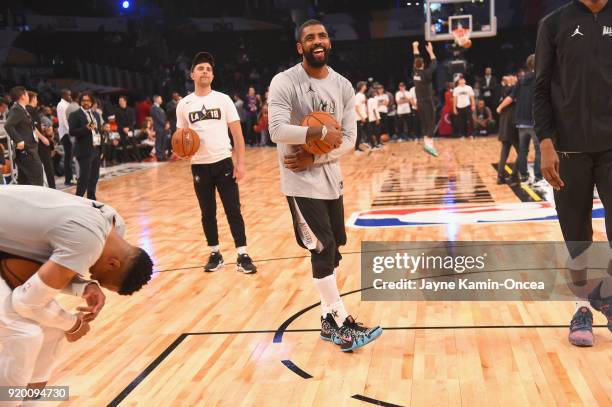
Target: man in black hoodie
(573, 120)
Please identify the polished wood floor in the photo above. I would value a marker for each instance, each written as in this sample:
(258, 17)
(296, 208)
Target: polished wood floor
(230, 359)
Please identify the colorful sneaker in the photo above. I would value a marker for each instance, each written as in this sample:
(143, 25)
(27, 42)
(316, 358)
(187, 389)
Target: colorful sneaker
(358, 335)
(245, 264)
(581, 328)
(215, 262)
(430, 150)
(603, 305)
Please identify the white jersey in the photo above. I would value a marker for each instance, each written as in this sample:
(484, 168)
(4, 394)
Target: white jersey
(209, 116)
(361, 104)
(373, 113)
(402, 108)
(46, 224)
(412, 95)
(463, 95)
(383, 103)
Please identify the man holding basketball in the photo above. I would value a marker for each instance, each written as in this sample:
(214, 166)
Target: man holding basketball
(209, 113)
(313, 184)
(74, 239)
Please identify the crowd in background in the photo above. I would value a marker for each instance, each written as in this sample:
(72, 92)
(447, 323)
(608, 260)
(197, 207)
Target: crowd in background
(140, 130)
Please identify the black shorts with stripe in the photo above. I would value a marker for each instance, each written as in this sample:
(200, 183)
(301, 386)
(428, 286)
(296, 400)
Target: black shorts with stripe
(319, 227)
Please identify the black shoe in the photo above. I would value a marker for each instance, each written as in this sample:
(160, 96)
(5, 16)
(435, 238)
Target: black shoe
(215, 262)
(355, 334)
(245, 264)
(500, 181)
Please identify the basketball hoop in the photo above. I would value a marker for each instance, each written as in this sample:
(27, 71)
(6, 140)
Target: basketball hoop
(462, 37)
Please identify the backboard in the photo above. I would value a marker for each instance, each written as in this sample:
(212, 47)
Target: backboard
(443, 16)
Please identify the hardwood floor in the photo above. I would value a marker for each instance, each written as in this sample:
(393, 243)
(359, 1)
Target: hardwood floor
(431, 353)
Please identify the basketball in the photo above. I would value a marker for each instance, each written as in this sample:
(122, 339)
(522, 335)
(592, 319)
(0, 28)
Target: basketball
(384, 138)
(318, 119)
(467, 44)
(16, 271)
(185, 142)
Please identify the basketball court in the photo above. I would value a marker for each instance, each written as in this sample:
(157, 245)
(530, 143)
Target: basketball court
(228, 339)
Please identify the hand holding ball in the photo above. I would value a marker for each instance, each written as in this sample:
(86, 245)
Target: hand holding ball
(185, 142)
(320, 119)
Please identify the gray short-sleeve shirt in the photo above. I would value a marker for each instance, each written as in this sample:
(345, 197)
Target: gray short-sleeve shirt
(45, 224)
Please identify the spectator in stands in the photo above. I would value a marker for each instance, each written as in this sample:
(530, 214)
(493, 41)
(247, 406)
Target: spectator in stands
(64, 134)
(44, 144)
(383, 109)
(171, 110)
(85, 125)
(239, 103)
(19, 127)
(484, 124)
(404, 122)
(110, 143)
(361, 113)
(126, 122)
(373, 120)
(143, 110)
(490, 88)
(445, 125)
(391, 115)
(463, 106)
(46, 117)
(262, 127)
(161, 128)
(3, 110)
(149, 135)
(253, 102)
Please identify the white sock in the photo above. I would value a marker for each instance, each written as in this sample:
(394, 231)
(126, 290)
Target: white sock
(338, 312)
(330, 298)
(241, 250)
(580, 304)
(214, 249)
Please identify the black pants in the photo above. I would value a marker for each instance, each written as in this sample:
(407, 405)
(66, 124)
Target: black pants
(67, 158)
(44, 152)
(427, 117)
(581, 172)
(463, 121)
(89, 173)
(384, 123)
(218, 176)
(319, 227)
(251, 137)
(404, 125)
(29, 167)
(362, 134)
(161, 144)
(373, 131)
(503, 158)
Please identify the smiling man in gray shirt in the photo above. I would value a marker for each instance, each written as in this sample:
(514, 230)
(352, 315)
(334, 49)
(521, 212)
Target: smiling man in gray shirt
(313, 183)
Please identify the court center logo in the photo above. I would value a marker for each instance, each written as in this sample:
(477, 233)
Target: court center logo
(470, 214)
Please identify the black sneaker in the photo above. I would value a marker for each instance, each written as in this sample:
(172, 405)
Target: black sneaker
(581, 328)
(331, 333)
(245, 264)
(358, 334)
(215, 262)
